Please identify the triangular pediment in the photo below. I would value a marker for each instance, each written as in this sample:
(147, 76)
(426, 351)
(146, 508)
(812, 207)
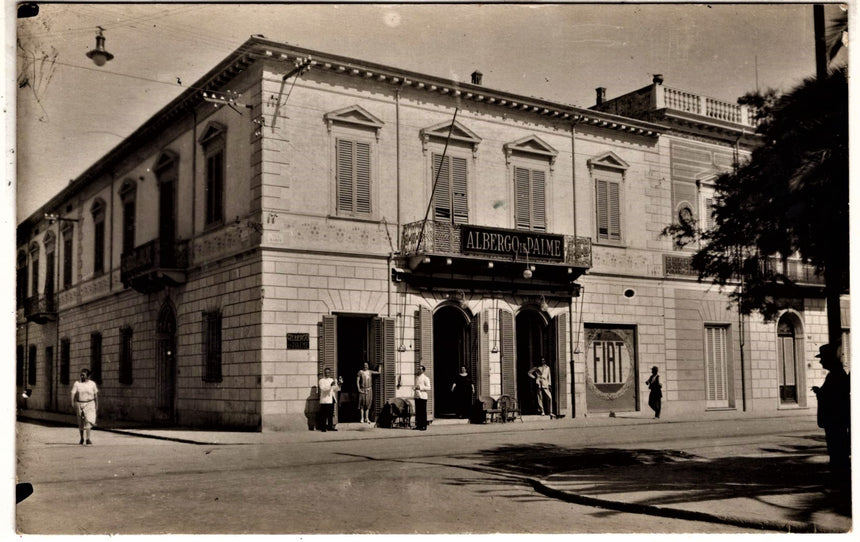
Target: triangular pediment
(354, 115)
(608, 160)
(458, 132)
(212, 131)
(531, 145)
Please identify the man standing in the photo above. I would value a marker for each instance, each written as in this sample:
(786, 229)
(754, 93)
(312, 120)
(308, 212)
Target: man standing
(364, 382)
(328, 389)
(543, 380)
(834, 415)
(421, 387)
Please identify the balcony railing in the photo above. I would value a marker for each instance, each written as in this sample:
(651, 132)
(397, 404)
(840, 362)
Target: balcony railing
(679, 100)
(155, 265)
(41, 308)
(795, 271)
(497, 243)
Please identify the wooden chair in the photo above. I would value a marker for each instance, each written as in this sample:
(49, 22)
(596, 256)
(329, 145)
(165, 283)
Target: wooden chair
(489, 404)
(402, 412)
(510, 411)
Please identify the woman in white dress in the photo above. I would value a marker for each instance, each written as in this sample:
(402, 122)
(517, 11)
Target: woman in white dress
(85, 400)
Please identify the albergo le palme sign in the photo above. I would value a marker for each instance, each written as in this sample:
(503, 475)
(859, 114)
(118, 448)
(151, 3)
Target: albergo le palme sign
(477, 240)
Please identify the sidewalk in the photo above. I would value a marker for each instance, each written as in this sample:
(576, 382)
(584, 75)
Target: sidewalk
(777, 490)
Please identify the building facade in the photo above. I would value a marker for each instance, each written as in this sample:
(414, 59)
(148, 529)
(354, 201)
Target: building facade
(295, 210)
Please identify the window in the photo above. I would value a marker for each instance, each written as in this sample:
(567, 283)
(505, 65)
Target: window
(50, 262)
(96, 357)
(212, 346)
(716, 362)
(19, 365)
(31, 366)
(67, 256)
(21, 278)
(34, 264)
(213, 142)
(125, 364)
(530, 190)
(128, 195)
(450, 199)
(608, 210)
(353, 177)
(65, 360)
(708, 213)
(98, 212)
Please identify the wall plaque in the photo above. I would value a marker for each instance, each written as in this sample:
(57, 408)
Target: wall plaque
(298, 341)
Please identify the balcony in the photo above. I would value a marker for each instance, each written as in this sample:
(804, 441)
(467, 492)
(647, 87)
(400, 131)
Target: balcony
(155, 265)
(41, 308)
(788, 277)
(477, 257)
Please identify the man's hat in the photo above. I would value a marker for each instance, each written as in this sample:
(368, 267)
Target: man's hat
(826, 350)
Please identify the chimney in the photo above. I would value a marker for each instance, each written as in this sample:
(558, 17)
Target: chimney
(601, 95)
(476, 77)
(657, 79)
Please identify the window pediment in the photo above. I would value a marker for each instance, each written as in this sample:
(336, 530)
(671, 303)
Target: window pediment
(354, 115)
(608, 160)
(212, 132)
(165, 161)
(530, 145)
(458, 133)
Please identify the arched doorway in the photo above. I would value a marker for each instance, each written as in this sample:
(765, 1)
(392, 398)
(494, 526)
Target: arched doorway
(534, 342)
(165, 364)
(451, 350)
(788, 362)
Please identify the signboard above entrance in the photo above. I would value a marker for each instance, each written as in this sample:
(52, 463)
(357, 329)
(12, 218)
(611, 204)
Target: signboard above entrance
(540, 246)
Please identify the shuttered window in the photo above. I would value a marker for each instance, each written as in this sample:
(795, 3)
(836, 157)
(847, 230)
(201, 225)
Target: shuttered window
(424, 349)
(530, 193)
(716, 362)
(65, 360)
(96, 357)
(508, 353)
(125, 364)
(608, 210)
(450, 200)
(212, 346)
(31, 366)
(709, 213)
(560, 391)
(353, 177)
(67, 257)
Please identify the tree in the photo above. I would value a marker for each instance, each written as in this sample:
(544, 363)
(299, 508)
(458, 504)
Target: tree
(790, 198)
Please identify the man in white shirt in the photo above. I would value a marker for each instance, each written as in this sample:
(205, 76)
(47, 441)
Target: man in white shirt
(328, 390)
(421, 387)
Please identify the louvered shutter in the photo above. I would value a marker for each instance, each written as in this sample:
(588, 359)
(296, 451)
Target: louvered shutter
(442, 191)
(522, 194)
(345, 192)
(715, 366)
(327, 344)
(602, 211)
(614, 212)
(709, 213)
(385, 354)
(560, 391)
(508, 353)
(479, 360)
(459, 183)
(362, 178)
(538, 200)
(424, 348)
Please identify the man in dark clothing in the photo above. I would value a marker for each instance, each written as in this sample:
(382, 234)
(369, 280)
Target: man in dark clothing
(834, 415)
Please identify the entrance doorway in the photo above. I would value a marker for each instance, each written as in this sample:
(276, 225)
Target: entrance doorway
(451, 348)
(787, 363)
(353, 350)
(165, 365)
(533, 344)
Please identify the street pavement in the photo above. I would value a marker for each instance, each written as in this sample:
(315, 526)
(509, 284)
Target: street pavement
(769, 484)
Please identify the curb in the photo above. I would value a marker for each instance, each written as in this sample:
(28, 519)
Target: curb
(675, 513)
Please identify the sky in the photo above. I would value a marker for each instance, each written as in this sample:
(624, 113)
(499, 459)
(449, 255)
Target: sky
(70, 113)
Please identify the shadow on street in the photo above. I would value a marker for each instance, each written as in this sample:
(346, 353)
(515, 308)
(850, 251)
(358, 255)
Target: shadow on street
(670, 477)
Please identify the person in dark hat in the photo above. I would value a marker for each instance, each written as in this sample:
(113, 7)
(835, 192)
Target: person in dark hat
(834, 415)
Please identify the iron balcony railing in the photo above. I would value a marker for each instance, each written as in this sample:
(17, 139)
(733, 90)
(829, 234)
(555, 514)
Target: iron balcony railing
(153, 257)
(40, 308)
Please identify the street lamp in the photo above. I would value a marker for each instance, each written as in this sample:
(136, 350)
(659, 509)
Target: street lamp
(99, 55)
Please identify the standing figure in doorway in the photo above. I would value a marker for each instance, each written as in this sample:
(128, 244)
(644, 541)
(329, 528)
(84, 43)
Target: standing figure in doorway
(85, 398)
(834, 416)
(655, 397)
(364, 383)
(543, 380)
(463, 390)
(421, 387)
(328, 391)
